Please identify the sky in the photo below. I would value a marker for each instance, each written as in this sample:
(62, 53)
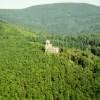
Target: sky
(19, 4)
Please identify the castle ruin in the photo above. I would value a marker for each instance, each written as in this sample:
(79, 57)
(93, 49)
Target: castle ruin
(51, 49)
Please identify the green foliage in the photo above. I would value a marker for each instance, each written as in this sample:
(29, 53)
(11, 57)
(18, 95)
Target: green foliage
(95, 50)
(82, 58)
(28, 73)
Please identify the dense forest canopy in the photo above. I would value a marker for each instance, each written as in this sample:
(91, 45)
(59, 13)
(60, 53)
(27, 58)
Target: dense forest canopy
(27, 72)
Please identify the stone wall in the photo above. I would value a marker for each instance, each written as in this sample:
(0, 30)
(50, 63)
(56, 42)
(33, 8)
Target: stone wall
(50, 49)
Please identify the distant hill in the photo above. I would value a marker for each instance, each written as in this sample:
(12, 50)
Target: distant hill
(56, 18)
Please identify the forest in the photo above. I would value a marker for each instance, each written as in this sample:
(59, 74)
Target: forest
(27, 72)
(64, 18)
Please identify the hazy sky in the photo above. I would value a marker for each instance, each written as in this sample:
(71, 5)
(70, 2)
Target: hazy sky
(17, 4)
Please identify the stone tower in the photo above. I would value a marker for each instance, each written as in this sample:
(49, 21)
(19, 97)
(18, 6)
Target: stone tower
(49, 48)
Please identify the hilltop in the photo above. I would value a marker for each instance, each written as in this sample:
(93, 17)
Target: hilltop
(56, 18)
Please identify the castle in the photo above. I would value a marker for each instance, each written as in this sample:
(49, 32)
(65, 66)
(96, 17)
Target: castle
(51, 49)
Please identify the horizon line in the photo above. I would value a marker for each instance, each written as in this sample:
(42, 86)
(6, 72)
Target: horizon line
(49, 4)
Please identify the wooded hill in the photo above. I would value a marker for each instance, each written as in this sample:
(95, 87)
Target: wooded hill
(28, 73)
(56, 18)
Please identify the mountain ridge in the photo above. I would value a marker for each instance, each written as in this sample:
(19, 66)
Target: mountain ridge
(56, 18)
(63, 4)
(50, 4)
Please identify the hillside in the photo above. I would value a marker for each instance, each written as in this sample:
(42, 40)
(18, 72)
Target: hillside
(28, 73)
(56, 18)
